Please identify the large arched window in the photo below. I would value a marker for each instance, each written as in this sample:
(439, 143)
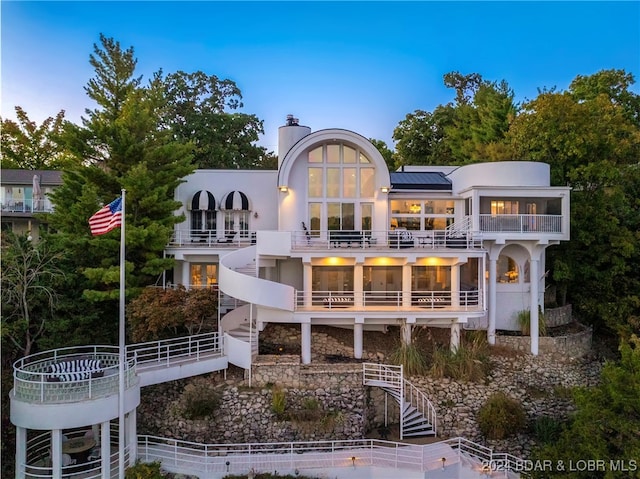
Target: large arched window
(340, 188)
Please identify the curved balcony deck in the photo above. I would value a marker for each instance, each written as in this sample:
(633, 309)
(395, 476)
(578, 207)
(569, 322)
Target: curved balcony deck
(34, 381)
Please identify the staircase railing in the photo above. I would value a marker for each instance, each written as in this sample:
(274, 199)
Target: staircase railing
(392, 377)
(460, 227)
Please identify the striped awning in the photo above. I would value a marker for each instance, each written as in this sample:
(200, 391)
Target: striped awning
(235, 200)
(203, 200)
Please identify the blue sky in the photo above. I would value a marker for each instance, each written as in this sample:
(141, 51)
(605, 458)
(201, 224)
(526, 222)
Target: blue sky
(361, 65)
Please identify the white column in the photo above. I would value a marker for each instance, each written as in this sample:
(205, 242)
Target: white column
(357, 340)
(455, 337)
(491, 285)
(307, 283)
(405, 333)
(95, 429)
(105, 449)
(305, 330)
(21, 451)
(186, 273)
(533, 301)
(357, 285)
(455, 286)
(56, 454)
(406, 285)
(132, 437)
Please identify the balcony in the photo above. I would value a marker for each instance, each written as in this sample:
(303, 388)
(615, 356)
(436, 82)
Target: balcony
(385, 240)
(211, 238)
(419, 301)
(546, 224)
(27, 206)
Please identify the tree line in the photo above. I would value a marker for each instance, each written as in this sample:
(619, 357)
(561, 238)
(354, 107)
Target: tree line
(146, 136)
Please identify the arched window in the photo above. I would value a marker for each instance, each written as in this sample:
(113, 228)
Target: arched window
(236, 207)
(340, 188)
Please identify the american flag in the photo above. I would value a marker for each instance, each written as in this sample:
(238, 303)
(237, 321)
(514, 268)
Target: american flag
(107, 218)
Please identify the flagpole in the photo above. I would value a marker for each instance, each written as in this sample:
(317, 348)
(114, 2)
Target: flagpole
(121, 348)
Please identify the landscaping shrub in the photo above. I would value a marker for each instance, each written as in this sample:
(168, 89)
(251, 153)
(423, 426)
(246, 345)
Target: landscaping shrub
(524, 322)
(546, 429)
(144, 470)
(278, 402)
(199, 400)
(470, 362)
(501, 416)
(411, 358)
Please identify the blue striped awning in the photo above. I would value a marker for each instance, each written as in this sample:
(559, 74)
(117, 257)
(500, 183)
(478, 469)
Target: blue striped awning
(235, 200)
(203, 200)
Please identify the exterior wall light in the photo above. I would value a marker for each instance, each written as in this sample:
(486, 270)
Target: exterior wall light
(385, 189)
(444, 461)
(353, 461)
(283, 188)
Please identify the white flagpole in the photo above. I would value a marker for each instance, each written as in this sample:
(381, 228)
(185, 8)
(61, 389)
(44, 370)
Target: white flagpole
(121, 344)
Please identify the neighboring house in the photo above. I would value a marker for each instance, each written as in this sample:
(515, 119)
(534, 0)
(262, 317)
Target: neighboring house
(332, 238)
(23, 194)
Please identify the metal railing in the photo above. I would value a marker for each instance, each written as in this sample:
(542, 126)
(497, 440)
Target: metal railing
(38, 463)
(520, 223)
(398, 300)
(27, 206)
(34, 382)
(219, 459)
(169, 352)
(385, 239)
(212, 238)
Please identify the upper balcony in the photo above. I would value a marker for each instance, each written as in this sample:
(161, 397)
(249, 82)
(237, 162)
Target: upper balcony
(26, 206)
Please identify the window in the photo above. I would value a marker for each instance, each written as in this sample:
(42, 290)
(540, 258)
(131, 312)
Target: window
(507, 270)
(203, 275)
(431, 278)
(338, 177)
(382, 284)
(504, 207)
(203, 220)
(422, 215)
(332, 278)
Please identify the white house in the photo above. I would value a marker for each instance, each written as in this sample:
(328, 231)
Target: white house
(333, 238)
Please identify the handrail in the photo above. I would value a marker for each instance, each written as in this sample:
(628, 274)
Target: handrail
(27, 206)
(451, 300)
(211, 238)
(33, 379)
(520, 223)
(169, 352)
(422, 403)
(184, 456)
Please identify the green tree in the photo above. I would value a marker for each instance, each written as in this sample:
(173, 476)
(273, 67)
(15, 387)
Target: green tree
(387, 154)
(420, 138)
(605, 425)
(27, 146)
(202, 109)
(122, 143)
(28, 299)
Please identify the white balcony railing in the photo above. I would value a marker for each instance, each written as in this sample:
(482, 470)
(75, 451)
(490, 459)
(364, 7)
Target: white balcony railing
(385, 300)
(212, 238)
(386, 239)
(521, 223)
(27, 206)
(34, 381)
(170, 352)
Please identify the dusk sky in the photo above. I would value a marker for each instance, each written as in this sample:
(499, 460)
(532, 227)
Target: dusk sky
(361, 65)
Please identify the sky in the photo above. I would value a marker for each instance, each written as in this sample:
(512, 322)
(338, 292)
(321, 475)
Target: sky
(361, 65)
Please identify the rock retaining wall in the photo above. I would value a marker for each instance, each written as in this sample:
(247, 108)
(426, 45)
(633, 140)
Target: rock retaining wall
(554, 317)
(574, 345)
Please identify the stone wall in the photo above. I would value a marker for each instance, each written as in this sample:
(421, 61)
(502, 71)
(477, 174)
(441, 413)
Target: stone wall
(571, 345)
(554, 317)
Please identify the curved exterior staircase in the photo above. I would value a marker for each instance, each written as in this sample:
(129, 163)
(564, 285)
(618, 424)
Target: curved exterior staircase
(418, 416)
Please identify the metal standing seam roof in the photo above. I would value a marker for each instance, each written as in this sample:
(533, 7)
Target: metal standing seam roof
(424, 180)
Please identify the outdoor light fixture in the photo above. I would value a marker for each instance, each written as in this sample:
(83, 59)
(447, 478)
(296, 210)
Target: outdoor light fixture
(353, 461)
(283, 188)
(486, 470)
(385, 189)
(444, 460)
(227, 464)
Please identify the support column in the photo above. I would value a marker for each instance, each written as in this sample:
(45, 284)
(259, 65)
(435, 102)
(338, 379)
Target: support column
(357, 340)
(406, 285)
(455, 286)
(132, 437)
(491, 330)
(21, 452)
(357, 286)
(105, 450)
(305, 333)
(307, 284)
(455, 337)
(405, 333)
(186, 273)
(533, 301)
(56, 454)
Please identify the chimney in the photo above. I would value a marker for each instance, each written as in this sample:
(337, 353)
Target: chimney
(289, 135)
